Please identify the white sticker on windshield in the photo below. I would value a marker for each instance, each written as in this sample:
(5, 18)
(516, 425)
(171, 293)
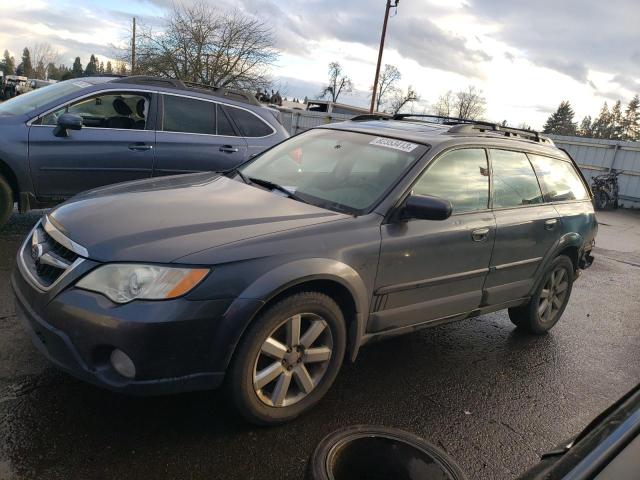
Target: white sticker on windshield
(393, 143)
(82, 84)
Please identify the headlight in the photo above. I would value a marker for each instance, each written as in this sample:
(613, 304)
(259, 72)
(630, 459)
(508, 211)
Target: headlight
(124, 282)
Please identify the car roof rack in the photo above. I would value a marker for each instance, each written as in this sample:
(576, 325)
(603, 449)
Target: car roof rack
(465, 125)
(371, 116)
(236, 95)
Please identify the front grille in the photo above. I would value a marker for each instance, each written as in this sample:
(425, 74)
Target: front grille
(45, 258)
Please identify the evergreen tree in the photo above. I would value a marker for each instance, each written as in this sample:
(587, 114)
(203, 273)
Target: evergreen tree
(109, 69)
(602, 123)
(631, 120)
(101, 68)
(122, 70)
(616, 122)
(561, 121)
(586, 130)
(8, 64)
(40, 71)
(77, 70)
(92, 67)
(26, 68)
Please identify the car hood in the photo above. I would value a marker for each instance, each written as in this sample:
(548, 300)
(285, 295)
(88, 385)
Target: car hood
(162, 220)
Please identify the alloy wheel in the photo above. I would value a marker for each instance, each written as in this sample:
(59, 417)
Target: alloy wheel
(292, 360)
(553, 295)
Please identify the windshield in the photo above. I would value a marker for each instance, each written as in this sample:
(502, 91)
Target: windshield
(37, 98)
(337, 170)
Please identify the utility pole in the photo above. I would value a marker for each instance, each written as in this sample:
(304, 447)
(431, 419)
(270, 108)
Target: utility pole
(133, 48)
(382, 37)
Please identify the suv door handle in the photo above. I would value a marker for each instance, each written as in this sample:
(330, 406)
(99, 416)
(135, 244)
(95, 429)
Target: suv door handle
(140, 147)
(228, 149)
(550, 224)
(480, 235)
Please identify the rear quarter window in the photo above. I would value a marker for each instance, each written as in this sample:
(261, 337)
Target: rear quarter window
(559, 179)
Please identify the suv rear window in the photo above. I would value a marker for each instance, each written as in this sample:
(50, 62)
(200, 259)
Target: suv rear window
(559, 179)
(249, 124)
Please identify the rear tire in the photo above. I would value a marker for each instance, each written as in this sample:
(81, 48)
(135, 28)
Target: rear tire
(6, 201)
(288, 358)
(547, 305)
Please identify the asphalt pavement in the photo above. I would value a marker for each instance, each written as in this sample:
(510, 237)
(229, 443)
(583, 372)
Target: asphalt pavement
(493, 398)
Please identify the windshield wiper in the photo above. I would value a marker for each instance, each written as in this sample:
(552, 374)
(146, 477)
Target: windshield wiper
(236, 171)
(275, 186)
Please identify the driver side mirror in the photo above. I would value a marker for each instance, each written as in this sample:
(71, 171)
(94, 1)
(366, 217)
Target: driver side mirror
(67, 121)
(425, 207)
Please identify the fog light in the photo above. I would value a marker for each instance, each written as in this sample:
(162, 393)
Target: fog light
(123, 364)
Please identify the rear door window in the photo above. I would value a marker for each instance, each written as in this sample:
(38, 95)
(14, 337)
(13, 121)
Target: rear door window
(188, 115)
(250, 125)
(514, 181)
(559, 179)
(225, 128)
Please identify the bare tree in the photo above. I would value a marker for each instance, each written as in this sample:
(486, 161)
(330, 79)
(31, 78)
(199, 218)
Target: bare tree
(43, 54)
(203, 44)
(389, 77)
(400, 99)
(445, 105)
(338, 82)
(467, 103)
(470, 103)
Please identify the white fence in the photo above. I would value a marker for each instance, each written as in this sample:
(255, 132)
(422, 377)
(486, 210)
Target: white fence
(594, 156)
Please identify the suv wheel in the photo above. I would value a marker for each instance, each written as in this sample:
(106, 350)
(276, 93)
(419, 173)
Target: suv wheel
(288, 359)
(6, 201)
(548, 303)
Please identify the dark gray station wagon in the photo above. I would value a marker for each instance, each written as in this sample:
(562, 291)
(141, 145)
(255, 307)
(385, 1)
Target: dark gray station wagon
(85, 133)
(269, 275)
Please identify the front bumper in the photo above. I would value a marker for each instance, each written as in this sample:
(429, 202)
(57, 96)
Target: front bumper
(174, 344)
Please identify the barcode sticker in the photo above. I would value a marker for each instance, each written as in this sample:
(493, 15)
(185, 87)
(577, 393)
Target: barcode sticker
(394, 143)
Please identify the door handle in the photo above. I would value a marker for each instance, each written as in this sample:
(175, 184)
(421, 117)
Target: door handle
(140, 147)
(228, 149)
(480, 235)
(550, 224)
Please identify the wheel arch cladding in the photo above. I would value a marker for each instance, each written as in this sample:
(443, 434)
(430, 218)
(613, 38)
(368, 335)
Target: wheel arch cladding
(10, 177)
(336, 279)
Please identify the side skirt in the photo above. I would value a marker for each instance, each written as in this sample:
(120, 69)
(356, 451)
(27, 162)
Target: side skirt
(373, 337)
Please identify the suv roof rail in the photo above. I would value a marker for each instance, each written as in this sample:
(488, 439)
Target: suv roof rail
(370, 116)
(465, 125)
(237, 95)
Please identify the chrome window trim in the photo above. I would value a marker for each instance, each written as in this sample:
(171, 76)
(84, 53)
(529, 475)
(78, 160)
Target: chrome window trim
(62, 239)
(91, 94)
(26, 273)
(273, 130)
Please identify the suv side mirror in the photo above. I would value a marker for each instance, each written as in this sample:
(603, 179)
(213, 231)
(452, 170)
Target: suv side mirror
(425, 207)
(67, 121)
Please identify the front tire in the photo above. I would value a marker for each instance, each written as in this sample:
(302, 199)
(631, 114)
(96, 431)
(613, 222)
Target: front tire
(6, 201)
(546, 306)
(288, 359)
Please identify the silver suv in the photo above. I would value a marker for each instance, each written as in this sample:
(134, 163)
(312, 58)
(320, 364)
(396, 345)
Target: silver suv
(85, 133)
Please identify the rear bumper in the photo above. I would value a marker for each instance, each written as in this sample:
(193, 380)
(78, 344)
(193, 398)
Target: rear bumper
(174, 345)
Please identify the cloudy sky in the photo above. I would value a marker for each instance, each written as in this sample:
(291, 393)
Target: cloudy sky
(526, 56)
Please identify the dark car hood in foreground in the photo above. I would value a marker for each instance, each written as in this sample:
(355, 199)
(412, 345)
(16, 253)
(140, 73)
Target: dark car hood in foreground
(161, 220)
